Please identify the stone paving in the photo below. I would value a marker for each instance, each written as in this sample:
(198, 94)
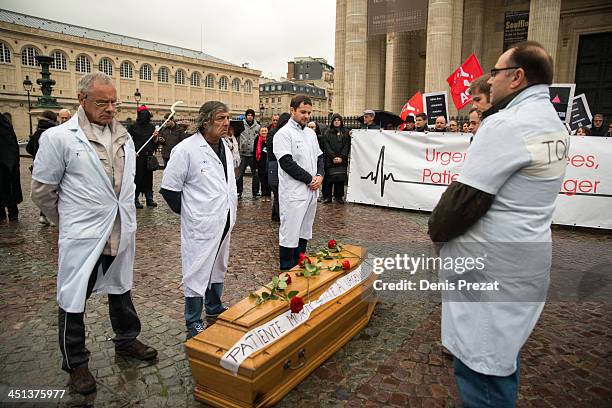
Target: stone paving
(397, 360)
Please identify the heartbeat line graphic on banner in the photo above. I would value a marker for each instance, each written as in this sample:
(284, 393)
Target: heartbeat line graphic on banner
(382, 177)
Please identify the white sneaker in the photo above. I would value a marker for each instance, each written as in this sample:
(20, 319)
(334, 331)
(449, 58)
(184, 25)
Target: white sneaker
(43, 220)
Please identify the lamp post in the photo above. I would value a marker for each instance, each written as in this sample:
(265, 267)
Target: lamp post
(137, 97)
(27, 86)
(261, 110)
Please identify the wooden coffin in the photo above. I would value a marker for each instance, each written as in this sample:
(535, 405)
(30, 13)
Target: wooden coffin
(266, 376)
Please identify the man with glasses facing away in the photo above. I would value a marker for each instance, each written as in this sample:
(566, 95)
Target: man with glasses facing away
(83, 181)
(503, 200)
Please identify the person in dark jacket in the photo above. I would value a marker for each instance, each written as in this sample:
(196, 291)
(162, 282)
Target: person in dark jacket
(598, 128)
(10, 185)
(368, 120)
(260, 149)
(336, 147)
(141, 131)
(48, 120)
(273, 164)
(171, 135)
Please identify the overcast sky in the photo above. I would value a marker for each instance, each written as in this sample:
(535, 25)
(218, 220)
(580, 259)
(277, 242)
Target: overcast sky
(264, 33)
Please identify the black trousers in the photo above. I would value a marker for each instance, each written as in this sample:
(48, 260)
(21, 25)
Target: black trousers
(337, 188)
(275, 205)
(123, 316)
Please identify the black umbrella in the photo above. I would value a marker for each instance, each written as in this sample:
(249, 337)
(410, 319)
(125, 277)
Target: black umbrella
(384, 118)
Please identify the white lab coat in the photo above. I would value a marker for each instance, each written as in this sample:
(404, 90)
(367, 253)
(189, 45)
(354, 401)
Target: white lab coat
(297, 202)
(87, 207)
(195, 170)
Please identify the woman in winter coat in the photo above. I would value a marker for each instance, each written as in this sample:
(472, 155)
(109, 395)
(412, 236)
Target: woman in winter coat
(10, 184)
(336, 147)
(140, 132)
(260, 150)
(273, 164)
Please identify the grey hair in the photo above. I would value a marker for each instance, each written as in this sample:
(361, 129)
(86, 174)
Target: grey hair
(65, 110)
(206, 115)
(86, 82)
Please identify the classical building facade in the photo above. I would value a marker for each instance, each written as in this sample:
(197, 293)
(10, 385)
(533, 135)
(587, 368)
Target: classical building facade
(275, 97)
(162, 73)
(382, 71)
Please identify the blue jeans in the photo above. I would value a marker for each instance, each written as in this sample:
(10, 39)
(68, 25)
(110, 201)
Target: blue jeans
(195, 305)
(480, 390)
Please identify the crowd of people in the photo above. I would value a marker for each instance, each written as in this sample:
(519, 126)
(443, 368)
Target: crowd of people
(89, 172)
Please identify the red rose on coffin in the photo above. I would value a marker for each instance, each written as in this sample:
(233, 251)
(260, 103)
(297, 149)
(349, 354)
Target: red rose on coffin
(303, 259)
(296, 304)
(331, 244)
(346, 265)
(288, 281)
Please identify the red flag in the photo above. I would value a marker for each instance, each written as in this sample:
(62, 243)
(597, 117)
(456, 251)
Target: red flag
(461, 79)
(413, 106)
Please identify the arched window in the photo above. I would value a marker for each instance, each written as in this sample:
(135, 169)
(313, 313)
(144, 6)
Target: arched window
(248, 86)
(126, 70)
(210, 81)
(223, 83)
(5, 53)
(59, 61)
(236, 85)
(146, 72)
(162, 74)
(83, 64)
(195, 79)
(28, 56)
(106, 66)
(179, 77)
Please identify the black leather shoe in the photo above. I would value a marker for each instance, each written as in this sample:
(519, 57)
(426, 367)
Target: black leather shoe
(151, 203)
(327, 201)
(137, 204)
(137, 350)
(82, 381)
(340, 200)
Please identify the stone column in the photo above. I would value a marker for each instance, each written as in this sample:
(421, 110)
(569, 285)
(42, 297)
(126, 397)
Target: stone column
(398, 71)
(338, 100)
(355, 64)
(456, 44)
(375, 71)
(544, 16)
(473, 16)
(439, 44)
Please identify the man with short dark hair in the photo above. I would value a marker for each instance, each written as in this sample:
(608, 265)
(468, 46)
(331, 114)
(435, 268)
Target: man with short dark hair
(474, 116)
(502, 204)
(247, 155)
(368, 120)
(598, 128)
(420, 122)
(440, 125)
(480, 89)
(273, 122)
(409, 125)
(300, 174)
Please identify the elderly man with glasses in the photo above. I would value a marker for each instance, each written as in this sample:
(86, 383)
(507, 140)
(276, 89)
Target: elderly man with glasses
(83, 181)
(499, 210)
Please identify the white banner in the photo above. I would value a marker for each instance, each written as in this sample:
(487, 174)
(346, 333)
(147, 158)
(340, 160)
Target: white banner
(269, 332)
(411, 170)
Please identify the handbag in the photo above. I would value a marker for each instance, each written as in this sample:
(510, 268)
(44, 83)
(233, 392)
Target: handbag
(336, 174)
(152, 163)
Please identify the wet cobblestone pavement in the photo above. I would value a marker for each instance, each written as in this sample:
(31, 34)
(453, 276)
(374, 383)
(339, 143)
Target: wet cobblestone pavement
(397, 360)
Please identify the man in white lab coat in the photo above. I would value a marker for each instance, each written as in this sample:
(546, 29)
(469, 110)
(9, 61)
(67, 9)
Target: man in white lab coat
(83, 181)
(300, 173)
(200, 185)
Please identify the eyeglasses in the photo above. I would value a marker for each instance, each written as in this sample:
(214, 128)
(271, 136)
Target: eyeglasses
(494, 71)
(101, 103)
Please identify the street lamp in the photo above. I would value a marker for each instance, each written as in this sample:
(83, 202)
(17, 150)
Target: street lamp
(261, 110)
(137, 97)
(27, 86)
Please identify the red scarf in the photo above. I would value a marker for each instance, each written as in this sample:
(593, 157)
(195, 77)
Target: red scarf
(260, 142)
